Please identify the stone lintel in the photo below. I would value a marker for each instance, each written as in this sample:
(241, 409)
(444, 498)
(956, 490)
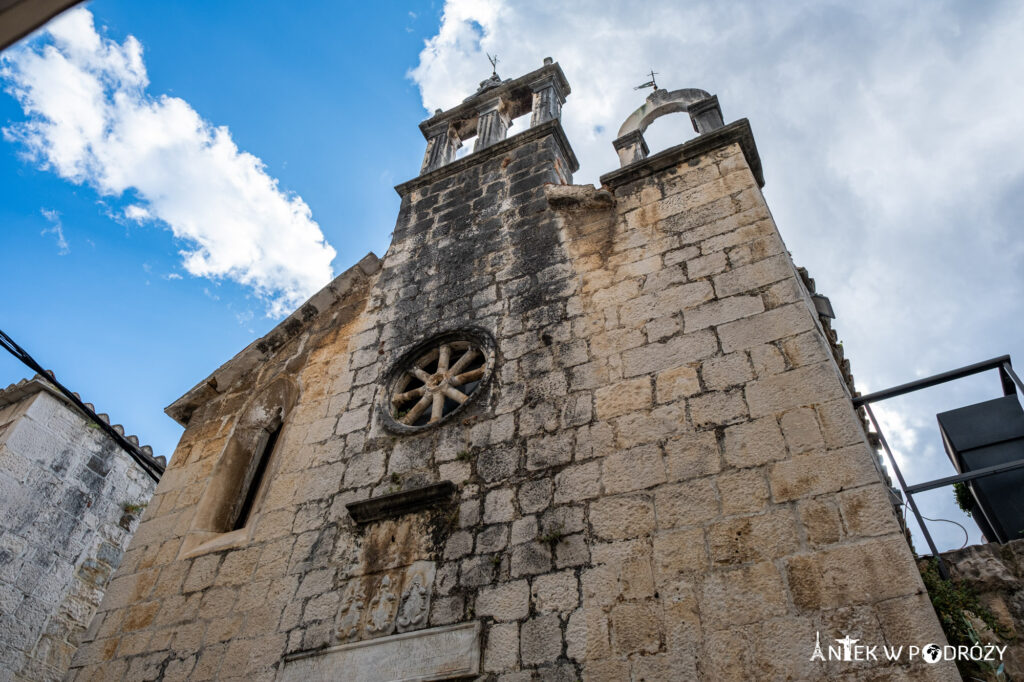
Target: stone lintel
(737, 131)
(259, 350)
(400, 503)
(441, 653)
(552, 127)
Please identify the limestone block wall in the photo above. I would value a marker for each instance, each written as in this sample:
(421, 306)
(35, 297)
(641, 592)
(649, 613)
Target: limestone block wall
(63, 527)
(664, 478)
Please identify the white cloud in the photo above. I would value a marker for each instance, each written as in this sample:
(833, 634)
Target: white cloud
(57, 228)
(137, 213)
(91, 121)
(891, 144)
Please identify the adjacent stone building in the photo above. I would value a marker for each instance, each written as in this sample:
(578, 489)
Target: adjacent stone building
(69, 500)
(558, 432)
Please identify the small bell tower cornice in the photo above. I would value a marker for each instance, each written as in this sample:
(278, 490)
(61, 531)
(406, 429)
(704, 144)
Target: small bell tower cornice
(488, 113)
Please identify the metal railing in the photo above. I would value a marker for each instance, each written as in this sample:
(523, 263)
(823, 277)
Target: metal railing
(1010, 383)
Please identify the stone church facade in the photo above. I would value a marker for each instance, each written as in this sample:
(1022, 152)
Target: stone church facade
(556, 433)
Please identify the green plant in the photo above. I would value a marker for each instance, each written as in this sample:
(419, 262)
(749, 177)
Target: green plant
(463, 456)
(400, 414)
(964, 498)
(553, 536)
(92, 425)
(133, 508)
(954, 602)
(495, 559)
(396, 478)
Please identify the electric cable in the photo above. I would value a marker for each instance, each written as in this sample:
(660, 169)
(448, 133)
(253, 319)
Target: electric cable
(147, 463)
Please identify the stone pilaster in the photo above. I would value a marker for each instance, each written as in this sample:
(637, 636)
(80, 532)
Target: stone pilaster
(442, 143)
(493, 124)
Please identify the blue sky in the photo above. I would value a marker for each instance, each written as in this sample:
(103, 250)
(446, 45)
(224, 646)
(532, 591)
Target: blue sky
(318, 94)
(889, 133)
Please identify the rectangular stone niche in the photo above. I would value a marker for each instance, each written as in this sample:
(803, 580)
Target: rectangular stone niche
(397, 504)
(444, 653)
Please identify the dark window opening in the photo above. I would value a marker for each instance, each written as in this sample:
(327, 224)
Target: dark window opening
(257, 478)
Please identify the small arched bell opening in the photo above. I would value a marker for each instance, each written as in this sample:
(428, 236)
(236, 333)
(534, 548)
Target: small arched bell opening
(702, 108)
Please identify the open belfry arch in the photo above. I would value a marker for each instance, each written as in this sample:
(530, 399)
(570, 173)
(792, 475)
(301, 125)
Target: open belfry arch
(557, 432)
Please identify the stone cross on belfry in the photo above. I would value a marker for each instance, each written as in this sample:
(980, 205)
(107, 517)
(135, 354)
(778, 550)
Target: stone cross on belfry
(494, 63)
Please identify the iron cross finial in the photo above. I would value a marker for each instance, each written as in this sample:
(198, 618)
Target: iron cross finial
(649, 84)
(494, 63)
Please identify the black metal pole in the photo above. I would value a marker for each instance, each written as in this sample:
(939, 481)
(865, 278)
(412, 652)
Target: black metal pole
(149, 465)
(943, 571)
(969, 476)
(1007, 371)
(912, 386)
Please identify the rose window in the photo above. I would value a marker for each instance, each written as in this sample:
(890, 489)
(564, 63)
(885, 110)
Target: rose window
(437, 381)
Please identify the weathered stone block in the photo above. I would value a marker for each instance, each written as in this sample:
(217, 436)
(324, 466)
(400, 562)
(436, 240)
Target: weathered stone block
(685, 504)
(648, 427)
(765, 328)
(675, 384)
(504, 602)
(868, 511)
(754, 443)
(692, 455)
(625, 516)
(815, 474)
(572, 550)
(743, 491)
(499, 506)
(556, 592)
(800, 427)
(717, 408)
(677, 553)
(502, 647)
(549, 451)
(530, 558)
(633, 469)
(623, 397)
(578, 482)
(657, 357)
(635, 627)
(744, 595)
(819, 517)
(852, 574)
(839, 424)
(541, 640)
(524, 530)
(760, 537)
(804, 386)
(492, 539)
(711, 264)
(754, 276)
(726, 371)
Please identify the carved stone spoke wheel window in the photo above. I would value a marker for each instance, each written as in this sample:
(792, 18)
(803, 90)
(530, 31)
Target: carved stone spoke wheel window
(437, 382)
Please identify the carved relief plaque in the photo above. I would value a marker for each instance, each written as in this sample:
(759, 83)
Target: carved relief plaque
(415, 603)
(376, 605)
(382, 608)
(353, 601)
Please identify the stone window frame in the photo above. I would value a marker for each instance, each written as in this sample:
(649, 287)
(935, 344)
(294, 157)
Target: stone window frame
(213, 525)
(478, 337)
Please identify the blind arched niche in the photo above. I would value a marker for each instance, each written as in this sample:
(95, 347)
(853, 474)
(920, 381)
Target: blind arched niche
(226, 511)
